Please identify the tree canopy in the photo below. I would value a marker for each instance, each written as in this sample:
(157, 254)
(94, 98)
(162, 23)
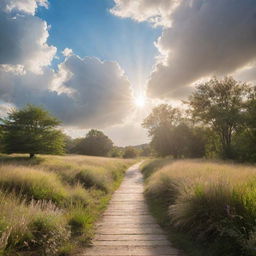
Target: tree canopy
(96, 143)
(220, 104)
(130, 152)
(172, 133)
(31, 130)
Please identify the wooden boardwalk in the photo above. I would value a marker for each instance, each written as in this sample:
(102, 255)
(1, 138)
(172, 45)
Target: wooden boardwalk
(127, 228)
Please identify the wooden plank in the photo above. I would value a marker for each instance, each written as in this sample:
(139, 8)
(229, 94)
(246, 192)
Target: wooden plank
(126, 228)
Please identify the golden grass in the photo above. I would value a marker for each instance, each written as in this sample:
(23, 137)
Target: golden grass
(215, 202)
(47, 200)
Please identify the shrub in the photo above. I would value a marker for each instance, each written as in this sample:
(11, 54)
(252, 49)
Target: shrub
(80, 220)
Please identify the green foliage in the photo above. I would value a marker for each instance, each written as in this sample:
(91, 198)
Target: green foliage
(146, 150)
(31, 130)
(220, 105)
(130, 152)
(162, 116)
(173, 134)
(48, 234)
(116, 152)
(219, 122)
(96, 143)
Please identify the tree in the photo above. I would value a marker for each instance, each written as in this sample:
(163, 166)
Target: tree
(244, 141)
(161, 116)
(130, 152)
(31, 130)
(71, 144)
(173, 133)
(96, 143)
(116, 152)
(146, 150)
(219, 104)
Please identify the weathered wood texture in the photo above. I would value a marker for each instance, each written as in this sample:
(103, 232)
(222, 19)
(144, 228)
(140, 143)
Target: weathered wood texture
(127, 228)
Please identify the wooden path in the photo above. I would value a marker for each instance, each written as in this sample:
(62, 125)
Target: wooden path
(127, 228)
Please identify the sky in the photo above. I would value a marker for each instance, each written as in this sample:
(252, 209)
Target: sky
(105, 64)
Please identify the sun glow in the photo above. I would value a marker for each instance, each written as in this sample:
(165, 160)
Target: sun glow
(140, 101)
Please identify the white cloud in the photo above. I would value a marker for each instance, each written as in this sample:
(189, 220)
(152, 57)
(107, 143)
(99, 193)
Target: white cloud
(67, 52)
(83, 92)
(100, 90)
(157, 12)
(203, 38)
(24, 36)
(26, 6)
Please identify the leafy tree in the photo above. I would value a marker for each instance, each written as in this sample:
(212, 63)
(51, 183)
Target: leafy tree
(159, 124)
(244, 141)
(161, 116)
(173, 134)
(31, 130)
(116, 152)
(96, 143)
(130, 152)
(146, 150)
(219, 104)
(71, 144)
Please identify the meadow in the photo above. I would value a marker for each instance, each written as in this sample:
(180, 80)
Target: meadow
(49, 204)
(206, 207)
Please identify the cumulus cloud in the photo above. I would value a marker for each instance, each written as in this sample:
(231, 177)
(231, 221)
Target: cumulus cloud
(26, 6)
(205, 38)
(67, 52)
(100, 91)
(24, 36)
(157, 12)
(83, 92)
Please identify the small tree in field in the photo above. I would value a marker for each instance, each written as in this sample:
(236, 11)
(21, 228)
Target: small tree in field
(31, 130)
(96, 143)
(130, 152)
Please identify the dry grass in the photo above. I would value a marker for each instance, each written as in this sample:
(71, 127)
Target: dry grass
(214, 202)
(45, 202)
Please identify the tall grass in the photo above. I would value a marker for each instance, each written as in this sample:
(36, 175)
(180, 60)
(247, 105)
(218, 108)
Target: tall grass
(214, 202)
(29, 226)
(49, 205)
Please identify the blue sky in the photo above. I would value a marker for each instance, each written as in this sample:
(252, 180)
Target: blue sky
(89, 29)
(194, 42)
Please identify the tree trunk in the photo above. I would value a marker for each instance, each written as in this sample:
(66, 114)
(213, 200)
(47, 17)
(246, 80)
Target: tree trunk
(31, 155)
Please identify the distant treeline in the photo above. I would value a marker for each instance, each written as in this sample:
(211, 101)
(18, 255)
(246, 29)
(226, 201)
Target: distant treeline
(33, 130)
(96, 143)
(218, 120)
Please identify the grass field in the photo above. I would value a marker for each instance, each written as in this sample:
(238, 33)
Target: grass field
(48, 205)
(208, 208)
